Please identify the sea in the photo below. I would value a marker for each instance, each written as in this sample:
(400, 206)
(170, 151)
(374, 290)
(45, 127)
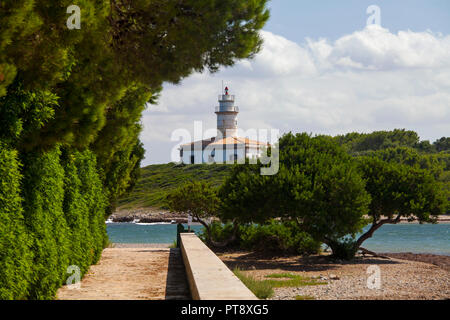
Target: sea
(415, 238)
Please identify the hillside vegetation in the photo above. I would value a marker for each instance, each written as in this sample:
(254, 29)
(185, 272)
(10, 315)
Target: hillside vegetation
(157, 181)
(398, 145)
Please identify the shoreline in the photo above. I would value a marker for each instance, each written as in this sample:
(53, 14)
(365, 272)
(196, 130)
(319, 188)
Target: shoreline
(157, 215)
(405, 277)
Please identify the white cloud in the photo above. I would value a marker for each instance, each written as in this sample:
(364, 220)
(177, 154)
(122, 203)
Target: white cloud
(369, 80)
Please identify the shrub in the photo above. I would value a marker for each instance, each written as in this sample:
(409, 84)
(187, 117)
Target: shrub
(43, 192)
(275, 236)
(15, 257)
(75, 212)
(278, 237)
(51, 217)
(95, 201)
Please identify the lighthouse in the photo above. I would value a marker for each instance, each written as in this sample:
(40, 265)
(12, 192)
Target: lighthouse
(226, 147)
(226, 116)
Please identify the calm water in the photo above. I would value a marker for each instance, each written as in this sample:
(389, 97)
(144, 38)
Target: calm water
(143, 233)
(389, 238)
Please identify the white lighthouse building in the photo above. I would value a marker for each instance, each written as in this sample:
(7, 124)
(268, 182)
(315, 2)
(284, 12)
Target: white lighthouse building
(226, 147)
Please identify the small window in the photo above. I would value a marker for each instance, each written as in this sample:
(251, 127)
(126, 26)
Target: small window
(192, 159)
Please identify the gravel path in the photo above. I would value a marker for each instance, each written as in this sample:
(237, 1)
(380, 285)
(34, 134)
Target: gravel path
(138, 273)
(400, 279)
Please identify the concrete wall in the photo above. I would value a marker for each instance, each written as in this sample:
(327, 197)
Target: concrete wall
(209, 278)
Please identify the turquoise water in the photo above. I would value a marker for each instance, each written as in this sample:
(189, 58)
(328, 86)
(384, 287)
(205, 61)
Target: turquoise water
(414, 238)
(143, 233)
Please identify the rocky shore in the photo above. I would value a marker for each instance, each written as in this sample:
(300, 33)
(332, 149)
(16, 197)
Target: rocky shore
(157, 215)
(147, 215)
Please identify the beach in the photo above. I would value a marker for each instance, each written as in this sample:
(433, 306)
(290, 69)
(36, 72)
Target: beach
(347, 280)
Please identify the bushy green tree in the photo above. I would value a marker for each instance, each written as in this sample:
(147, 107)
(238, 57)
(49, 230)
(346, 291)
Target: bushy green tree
(318, 186)
(442, 144)
(199, 199)
(378, 140)
(399, 191)
(117, 147)
(171, 39)
(120, 43)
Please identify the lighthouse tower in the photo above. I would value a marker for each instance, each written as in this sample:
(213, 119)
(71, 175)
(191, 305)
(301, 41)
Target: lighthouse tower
(226, 147)
(226, 116)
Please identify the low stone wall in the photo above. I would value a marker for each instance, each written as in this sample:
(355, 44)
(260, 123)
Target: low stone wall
(208, 277)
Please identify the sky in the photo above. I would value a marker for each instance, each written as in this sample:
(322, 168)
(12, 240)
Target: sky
(322, 70)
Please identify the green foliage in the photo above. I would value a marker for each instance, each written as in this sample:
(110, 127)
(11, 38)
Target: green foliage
(95, 201)
(61, 223)
(197, 198)
(442, 144)
(84, 206)
(15, 256)
(261, 289)
(170, 39)
(318, 185)
(23, 113)
(156, 182)
(43, 193)
(219, 232)
(275, 236)
(401, 190)
(121, 45)
(378, 140)
(75, 210)
(397, 191)
(280, 237)
(83, 91)
(117, 147)
(279, 280)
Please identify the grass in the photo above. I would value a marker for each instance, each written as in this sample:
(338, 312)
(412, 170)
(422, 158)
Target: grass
(173, 245)
(291, 280)
(263, 289)
(157, 181)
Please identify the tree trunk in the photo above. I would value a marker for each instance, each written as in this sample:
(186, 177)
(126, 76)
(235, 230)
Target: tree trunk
(375, 226)
(216, 243)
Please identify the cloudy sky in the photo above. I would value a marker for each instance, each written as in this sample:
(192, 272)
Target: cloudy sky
(323, 71)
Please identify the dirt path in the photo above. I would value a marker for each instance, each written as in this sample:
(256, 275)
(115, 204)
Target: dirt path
(145, 273)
